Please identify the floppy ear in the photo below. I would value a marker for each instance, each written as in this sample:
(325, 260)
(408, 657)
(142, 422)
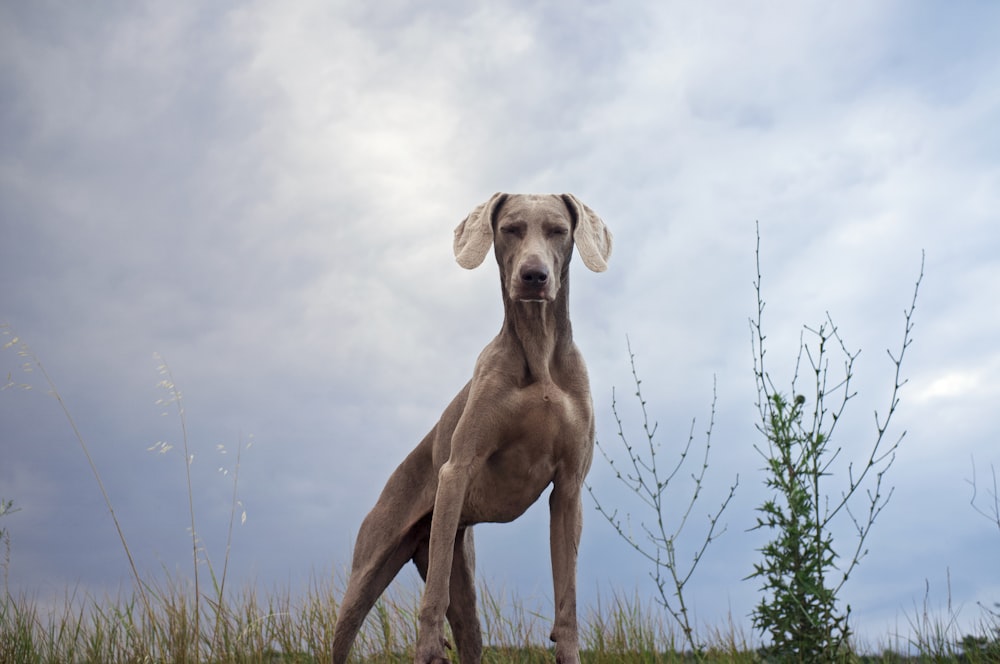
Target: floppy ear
(474, 235)
(592, 237)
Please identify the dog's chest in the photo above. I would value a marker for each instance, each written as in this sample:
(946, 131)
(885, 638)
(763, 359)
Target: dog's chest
(542, 437)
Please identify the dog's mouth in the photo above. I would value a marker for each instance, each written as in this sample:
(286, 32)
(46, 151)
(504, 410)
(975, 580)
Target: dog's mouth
(527, 294)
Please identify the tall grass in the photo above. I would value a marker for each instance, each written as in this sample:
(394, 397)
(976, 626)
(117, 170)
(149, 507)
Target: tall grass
(286, 626)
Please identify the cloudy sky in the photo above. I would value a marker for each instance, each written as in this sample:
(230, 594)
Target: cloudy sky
(264, 194)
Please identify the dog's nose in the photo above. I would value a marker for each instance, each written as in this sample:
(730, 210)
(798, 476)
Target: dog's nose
(534, 273)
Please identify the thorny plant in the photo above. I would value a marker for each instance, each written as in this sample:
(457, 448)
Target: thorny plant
(987, 645)
(991, 509)
(649, 479)
(799, 608)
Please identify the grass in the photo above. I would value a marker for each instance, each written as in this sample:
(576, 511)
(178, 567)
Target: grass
(287, 627)
(297, 627)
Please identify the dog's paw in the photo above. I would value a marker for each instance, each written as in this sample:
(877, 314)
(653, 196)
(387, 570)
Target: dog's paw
(572, 657)
(431, 658)
(567, 652)
(432, 651)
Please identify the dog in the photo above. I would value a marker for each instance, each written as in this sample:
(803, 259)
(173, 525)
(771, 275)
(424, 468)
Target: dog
(523, 422)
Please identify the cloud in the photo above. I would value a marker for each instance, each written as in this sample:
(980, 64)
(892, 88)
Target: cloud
(265, 194)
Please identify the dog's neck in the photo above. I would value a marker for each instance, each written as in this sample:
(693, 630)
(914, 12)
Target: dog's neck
(541, 334)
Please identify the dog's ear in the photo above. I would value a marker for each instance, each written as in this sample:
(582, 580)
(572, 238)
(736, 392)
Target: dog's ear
(592, 237)
(474, 235)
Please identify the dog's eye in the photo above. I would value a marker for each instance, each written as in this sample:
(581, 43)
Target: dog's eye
(557, 231)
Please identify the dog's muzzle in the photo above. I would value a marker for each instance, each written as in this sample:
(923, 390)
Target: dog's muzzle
(534, 282)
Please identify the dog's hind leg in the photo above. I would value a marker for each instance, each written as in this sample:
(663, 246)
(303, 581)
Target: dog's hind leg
(387, 539)
(462, 613)
(372, 571)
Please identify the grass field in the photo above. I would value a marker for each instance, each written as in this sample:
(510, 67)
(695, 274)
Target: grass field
(158, 625)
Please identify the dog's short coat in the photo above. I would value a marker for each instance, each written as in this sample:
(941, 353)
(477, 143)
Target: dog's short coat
(523, 422)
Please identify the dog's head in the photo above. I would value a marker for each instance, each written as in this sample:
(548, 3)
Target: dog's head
(533, 236)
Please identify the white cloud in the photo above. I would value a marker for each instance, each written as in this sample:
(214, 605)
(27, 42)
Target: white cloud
(956, 385)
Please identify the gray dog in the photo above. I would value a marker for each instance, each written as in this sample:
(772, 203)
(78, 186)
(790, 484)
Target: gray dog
(523, 422)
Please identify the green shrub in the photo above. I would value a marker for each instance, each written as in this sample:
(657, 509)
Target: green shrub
(801, 571)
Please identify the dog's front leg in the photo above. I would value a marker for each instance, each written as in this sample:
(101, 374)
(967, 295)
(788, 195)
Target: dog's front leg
(453, 480)
(566, 514)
